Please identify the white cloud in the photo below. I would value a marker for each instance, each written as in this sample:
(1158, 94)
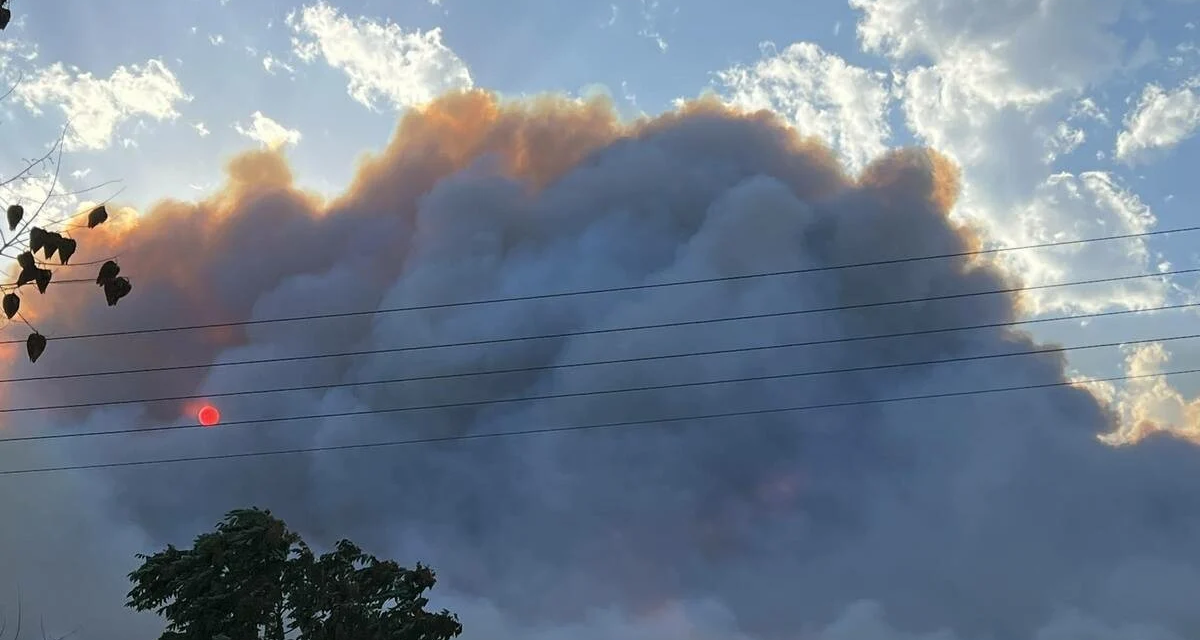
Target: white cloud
(1064, 141)
(271, 63)
(216, 40)
(97, 107)
(1147, 402)
(383, 61)
(201, 129)
(1000, 49)
(614, 11)
(1086, 108)
(1072, 207)
(651, 11)
(268, 132)
(981, 92)
(820, 95)
(974, 83)
(1160, 120)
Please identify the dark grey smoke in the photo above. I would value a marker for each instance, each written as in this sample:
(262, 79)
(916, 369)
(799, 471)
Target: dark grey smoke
(985, 517)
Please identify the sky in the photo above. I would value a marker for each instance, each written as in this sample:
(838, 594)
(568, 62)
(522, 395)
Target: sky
(269, 158)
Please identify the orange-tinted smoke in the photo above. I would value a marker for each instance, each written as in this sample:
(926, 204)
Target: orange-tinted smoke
(189, 259)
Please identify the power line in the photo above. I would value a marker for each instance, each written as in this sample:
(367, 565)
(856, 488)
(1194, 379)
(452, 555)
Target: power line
(13, 285)
(560, 429)
(542, 397)
(657, 285)
(589, 332)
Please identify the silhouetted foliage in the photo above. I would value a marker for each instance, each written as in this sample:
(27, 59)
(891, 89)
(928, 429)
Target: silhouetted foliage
(97, 217)
(252, 578)
(52, 244)
(5, 14)
(35, 345)
(108, 272)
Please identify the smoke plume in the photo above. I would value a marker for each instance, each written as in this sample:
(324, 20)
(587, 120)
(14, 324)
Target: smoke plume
(990, 516)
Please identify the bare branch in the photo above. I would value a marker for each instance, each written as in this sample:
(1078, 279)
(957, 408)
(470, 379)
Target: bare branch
(50, 191)
(17, 635)
(30, 236)
(68, 194)
(30, 165)
(15, 84)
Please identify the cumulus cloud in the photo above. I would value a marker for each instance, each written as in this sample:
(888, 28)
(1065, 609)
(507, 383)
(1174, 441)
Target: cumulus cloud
(268, 132)
(998, 51)
(1074, 207)
(992, 516)
(973, 83)
(1148, 403)
(1160, 120)
(97, 107)
(383, 62)
(820, 95)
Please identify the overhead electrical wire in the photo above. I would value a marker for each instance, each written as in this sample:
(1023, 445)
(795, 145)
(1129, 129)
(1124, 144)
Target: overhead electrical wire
(543, 397)
(588, 332)
(630, 360)
(676, 283)
(617, 361)
(557, 429)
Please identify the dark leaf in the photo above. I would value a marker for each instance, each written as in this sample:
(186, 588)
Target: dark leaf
(26, 260)
(66, 249)
(15, 213)
(108, 271)
(43, 279)
(53, 242)
(27, 275)
(37, 239)
(116, 289)
(97, 217)
(35, 345)
(12, 304)
(5, 16)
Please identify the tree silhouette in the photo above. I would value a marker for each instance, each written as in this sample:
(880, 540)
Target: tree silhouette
(252, 578)
(22, 238)
(5, 14)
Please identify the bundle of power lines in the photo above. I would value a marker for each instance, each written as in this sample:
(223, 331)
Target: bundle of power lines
(698, 417)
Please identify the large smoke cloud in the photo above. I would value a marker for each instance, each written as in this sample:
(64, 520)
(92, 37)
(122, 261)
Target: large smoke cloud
(996, 516)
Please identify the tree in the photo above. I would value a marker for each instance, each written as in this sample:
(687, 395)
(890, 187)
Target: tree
(24, 239)
(5, 14)
(252, 578)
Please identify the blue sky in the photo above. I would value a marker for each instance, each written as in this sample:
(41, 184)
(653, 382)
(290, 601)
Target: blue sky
(1110, 89)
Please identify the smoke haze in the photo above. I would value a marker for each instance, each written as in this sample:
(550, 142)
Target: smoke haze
(992, 516)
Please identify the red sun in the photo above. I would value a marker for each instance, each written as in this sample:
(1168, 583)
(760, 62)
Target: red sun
(208, 415)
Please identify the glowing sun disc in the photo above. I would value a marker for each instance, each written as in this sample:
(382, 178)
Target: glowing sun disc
(208, 415)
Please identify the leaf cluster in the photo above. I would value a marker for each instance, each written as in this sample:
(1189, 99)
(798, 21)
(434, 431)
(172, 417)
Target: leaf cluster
(53, 244)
